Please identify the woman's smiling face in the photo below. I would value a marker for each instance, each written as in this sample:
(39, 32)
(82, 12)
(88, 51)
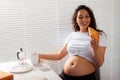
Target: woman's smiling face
(83, 20)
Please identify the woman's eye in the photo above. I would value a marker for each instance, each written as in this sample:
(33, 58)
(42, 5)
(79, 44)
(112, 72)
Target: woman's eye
(87, 16)
(80, 17)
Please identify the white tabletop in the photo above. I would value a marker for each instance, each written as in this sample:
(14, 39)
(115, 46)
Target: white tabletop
(39, 72)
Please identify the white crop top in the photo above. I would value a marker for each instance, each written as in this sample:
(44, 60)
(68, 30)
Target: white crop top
(79, 44)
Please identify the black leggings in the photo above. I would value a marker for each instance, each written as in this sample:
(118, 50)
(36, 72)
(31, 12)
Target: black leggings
(85, 77)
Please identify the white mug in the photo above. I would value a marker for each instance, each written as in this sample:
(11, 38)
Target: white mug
(35, 58)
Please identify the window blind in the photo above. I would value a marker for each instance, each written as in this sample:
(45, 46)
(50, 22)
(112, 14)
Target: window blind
(30, 24)
(116, 41)
(12, 33)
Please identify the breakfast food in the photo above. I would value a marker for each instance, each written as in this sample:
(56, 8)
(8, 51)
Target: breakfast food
(93, 34)
(6, 76)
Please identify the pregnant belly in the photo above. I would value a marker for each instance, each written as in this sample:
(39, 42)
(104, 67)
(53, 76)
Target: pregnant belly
(78, 66)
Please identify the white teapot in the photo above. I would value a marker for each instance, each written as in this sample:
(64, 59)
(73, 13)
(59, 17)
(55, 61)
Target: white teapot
(21, 56)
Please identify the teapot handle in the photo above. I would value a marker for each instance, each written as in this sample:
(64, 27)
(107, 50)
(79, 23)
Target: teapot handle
(18, 55)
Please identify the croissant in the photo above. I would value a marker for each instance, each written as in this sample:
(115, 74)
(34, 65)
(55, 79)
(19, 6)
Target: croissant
(93, 34)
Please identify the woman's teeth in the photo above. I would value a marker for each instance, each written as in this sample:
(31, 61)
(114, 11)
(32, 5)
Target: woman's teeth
(84, 22)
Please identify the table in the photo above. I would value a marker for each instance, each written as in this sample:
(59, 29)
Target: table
(39, 72)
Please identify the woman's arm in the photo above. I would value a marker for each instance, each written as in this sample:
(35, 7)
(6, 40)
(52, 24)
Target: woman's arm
(99, 53)
(54, 56)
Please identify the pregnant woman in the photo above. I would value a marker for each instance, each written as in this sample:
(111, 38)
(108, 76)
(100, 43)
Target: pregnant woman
(85, 53)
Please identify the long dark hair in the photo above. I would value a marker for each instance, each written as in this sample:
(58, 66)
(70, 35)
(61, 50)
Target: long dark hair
(92, 23)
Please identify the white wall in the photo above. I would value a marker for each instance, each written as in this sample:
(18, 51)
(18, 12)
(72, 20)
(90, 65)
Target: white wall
(42, 25)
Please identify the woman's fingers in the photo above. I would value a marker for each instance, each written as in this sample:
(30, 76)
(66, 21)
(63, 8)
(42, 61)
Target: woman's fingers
(94, 43)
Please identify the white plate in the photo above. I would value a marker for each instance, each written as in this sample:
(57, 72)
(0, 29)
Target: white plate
(21, 68)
